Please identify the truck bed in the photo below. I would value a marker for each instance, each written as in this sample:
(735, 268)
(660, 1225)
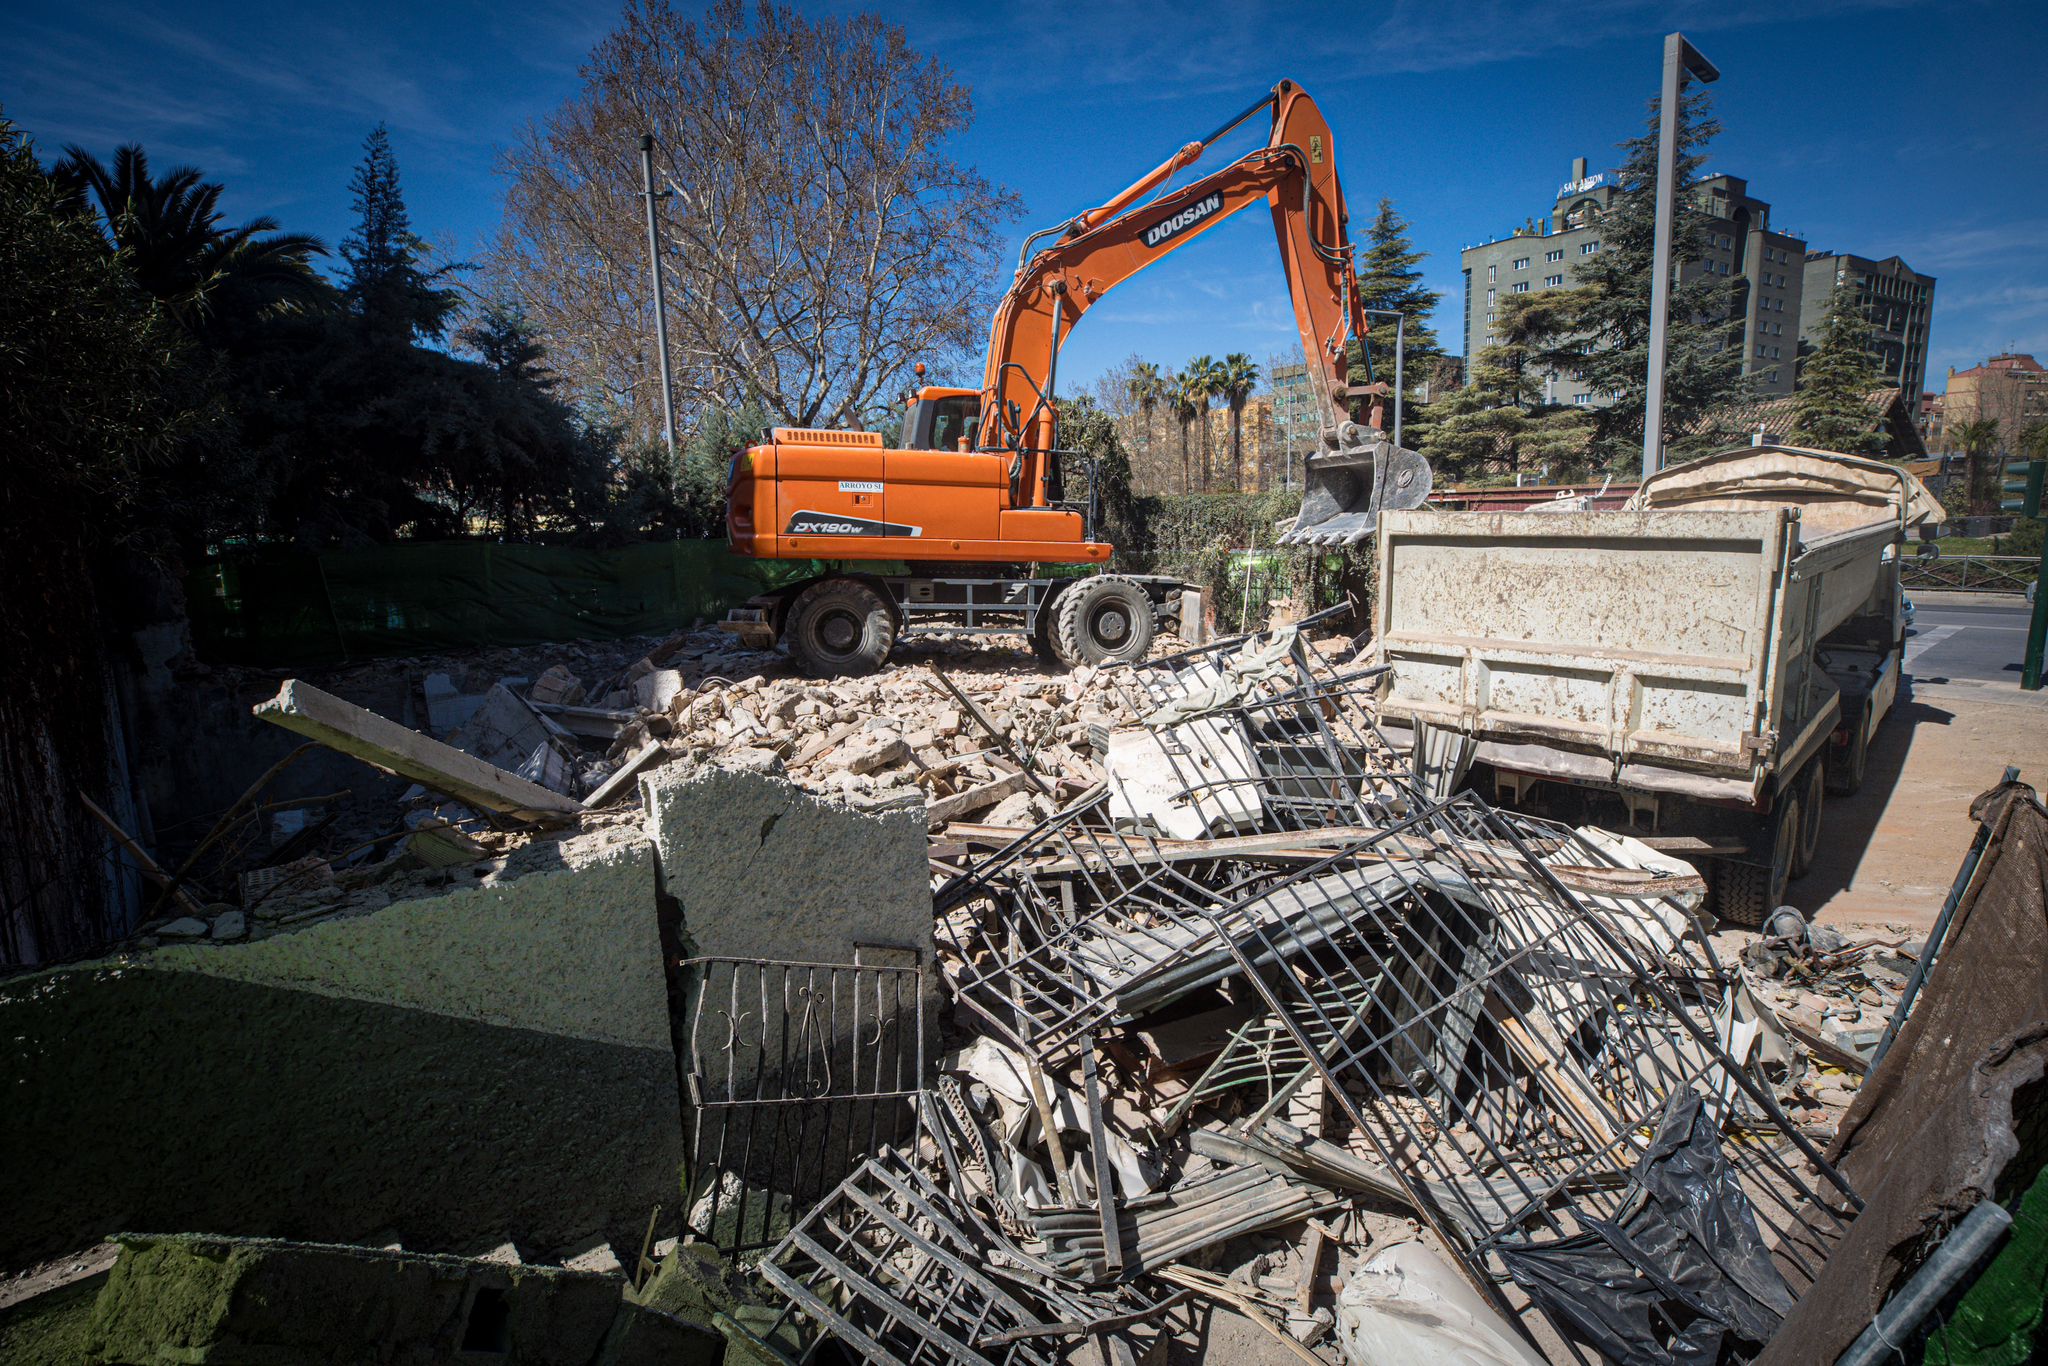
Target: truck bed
(1665, 650)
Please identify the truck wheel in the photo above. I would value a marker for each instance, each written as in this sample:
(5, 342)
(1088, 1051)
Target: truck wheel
(1745, 893)
(840, 626)
(1103, 620)
(1845, 765)
(1812, 787)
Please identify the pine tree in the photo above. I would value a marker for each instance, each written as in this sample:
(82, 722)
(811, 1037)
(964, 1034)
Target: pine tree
(1607, 340)
(1831, 411)
(386, 285)
(1388, 280)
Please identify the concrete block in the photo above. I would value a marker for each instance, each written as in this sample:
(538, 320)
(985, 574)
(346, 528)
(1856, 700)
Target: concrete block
(761, 869)
(448, 707)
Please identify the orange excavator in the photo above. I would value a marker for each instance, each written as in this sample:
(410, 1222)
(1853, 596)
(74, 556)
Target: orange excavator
(976, 487)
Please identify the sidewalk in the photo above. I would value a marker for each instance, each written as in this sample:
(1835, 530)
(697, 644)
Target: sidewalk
(1889, 853)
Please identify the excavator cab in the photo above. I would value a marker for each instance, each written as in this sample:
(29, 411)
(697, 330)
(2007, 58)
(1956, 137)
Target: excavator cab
(942, 420)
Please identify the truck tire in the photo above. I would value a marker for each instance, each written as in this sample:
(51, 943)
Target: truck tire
(838, 627)
(1745, 893)
(1813, 787)
(1845, 765)
(1103, 620)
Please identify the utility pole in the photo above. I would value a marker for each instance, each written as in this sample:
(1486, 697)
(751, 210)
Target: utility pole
(1681, 60)
(668, 397)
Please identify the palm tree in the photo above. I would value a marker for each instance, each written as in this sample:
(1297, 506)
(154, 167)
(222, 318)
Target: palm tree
(1188, 404)
(169, 229)
(1976, 437)
(1145, 388)
(1235, 380)
(1199, 377)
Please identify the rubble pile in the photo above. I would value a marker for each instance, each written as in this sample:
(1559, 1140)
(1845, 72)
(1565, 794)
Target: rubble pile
(1233, 1004)
(1258, 1020)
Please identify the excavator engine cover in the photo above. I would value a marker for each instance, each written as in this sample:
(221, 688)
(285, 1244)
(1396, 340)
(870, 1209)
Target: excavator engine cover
(1345, 490)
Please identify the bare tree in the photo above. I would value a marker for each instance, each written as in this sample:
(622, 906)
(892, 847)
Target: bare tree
(817, 236)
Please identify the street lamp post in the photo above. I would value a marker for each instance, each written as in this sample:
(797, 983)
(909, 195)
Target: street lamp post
(668, 398)
(1681, 61)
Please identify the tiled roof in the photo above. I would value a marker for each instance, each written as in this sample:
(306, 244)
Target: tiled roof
(1775, 414)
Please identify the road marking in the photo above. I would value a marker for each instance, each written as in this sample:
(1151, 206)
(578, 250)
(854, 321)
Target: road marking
(1923, 641)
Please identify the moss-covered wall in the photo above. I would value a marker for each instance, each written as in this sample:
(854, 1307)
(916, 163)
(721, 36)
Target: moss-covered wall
(452, 1072)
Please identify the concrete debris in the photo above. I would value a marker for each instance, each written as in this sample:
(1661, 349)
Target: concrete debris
(1242, 991)
(1241, 1007)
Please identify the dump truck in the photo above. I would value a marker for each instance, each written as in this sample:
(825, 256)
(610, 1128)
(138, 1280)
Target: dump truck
(1710, 662)
(955, 525)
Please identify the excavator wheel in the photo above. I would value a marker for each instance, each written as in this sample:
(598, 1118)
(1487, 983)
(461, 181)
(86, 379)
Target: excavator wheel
(1103, 620)
(838, 627)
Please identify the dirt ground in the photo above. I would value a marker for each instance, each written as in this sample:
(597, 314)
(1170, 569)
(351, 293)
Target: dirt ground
(1889, 853)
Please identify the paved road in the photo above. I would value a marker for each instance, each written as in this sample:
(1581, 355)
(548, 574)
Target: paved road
(1958, 638)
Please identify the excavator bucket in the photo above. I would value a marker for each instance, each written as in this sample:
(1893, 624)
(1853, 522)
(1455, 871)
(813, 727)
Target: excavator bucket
(1348, 488)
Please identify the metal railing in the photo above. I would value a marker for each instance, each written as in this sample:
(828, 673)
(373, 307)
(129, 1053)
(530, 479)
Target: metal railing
(1970, 573)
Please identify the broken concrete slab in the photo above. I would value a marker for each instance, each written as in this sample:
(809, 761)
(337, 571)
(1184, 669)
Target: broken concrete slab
(762, 869)
(658, 690)
(448, 707)
(204, 1298)
(384, 744)
(496, 1060)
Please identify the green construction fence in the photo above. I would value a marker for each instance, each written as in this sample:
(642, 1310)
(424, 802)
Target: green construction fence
(276, 606)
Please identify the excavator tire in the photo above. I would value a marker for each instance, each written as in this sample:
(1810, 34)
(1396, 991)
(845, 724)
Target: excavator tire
(1103, 620)
(839, 627)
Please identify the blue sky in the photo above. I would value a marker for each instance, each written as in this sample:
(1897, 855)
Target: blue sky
(1872, 127)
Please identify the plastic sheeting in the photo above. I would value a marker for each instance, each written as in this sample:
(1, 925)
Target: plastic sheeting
(1833, 492)
(1409, 1305)
(1672, 1281)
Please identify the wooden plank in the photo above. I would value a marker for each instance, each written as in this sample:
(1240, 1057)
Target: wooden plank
(384, 744)
(611, 788)
(976, 798)
(822, 744)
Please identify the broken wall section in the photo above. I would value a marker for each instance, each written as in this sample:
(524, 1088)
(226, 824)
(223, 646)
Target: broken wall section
(450, 1072)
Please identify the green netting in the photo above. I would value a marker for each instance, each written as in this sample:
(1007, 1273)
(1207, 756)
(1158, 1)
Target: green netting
(1998, 1321)
(276, 606)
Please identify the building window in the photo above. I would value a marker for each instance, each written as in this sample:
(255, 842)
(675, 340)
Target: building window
(1490, 269)
(1557, 255)
(1588, 248)
(1582, 399)
(1553, 280)
(1521, 287)
(1774, 376)
(1521, 263)
(1489, 298)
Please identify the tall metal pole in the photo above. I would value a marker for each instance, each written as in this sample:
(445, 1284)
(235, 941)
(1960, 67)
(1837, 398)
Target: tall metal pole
(668, 397)
(1681, 60)
(1400, 370)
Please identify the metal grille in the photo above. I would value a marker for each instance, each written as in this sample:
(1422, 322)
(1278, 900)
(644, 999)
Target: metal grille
(796, 1072)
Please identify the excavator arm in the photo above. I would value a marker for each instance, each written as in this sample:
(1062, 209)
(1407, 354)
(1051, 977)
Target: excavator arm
(1295, 174)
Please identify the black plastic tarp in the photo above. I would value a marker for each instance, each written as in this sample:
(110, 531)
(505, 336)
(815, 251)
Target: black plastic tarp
(1676, 1278)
